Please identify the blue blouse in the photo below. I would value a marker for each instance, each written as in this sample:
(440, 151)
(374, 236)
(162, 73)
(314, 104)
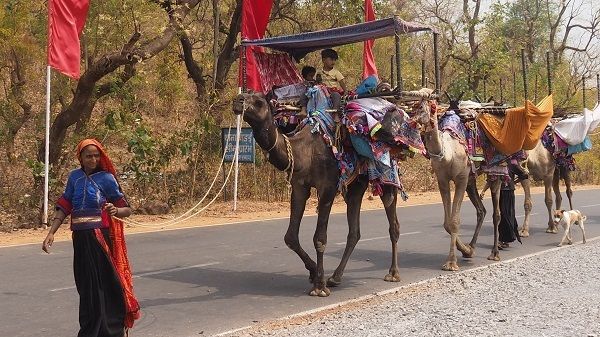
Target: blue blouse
(85, 196)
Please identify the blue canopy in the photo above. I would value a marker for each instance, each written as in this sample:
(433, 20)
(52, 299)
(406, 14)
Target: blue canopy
(299, 45)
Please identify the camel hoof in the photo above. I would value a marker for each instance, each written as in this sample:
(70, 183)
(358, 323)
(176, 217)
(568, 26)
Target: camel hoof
(494, 257)
(469, 254)
(392, 277)
(333, 282)
(450, 266)
(524, 233)
(324, 292)
(551, 230)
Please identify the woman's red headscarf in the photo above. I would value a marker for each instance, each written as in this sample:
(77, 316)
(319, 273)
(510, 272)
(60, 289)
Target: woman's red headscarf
(105, 163)
(118, 254)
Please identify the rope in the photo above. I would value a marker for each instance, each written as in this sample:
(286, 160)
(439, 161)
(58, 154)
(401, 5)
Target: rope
(184, 217)
(187, 217)
(290, 156)
(274, 144)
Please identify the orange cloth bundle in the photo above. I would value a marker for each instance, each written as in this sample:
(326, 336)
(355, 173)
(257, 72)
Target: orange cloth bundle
(521, 128)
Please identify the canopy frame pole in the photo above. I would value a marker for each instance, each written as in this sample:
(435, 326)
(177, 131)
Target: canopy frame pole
(549, 73)
(392, 79)
(398, 62)
(598, 88)
(524, 73)
(583, 87)
(436, 63)
(501, 90)
(238, 130)
(514, 87)
(423, 81)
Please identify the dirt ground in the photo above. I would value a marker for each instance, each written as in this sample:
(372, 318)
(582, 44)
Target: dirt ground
(222, 213)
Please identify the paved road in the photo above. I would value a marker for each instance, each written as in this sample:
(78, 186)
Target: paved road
(213, 279)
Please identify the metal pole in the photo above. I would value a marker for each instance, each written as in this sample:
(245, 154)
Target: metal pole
(598, 88)
(535, 87)
(392, 79)
(47, 148)
(501, 90)
(549, 73)
(524, 72)
(436, 63)
(514, 73)
(423, 83)
(398, 62)
(583, 84)
(485, 88)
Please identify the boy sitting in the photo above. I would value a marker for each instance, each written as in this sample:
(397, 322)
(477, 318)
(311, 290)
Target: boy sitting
(331, 77)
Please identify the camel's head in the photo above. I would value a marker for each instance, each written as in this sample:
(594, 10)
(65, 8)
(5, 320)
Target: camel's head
(423, 113)
(254, 107)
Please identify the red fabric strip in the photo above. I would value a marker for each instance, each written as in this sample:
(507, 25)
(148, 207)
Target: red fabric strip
(369, 67)
(255, 17)
(65, 205)
(120, 262)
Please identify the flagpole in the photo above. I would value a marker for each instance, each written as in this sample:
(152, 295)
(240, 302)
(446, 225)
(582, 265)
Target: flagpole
(238, 129)
(47, 147)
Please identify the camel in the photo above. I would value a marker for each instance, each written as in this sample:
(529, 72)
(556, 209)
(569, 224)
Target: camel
(450, 163)
(542, 167)
(310, 163)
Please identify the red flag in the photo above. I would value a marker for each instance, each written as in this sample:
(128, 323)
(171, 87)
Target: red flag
(66, 19)
(255, 17)
(369, 67)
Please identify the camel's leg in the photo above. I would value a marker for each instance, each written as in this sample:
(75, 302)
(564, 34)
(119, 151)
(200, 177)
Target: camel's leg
(353, 198)
(480, 209)
(444, 187)
(326, 197)
(567, 178)
(495, 188)
(556, 188)
(390, 200)
(527, 205)
(300, 194)
(460, 186)
(548, 201)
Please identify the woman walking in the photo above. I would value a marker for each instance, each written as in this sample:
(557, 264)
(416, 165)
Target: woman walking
(93, 198)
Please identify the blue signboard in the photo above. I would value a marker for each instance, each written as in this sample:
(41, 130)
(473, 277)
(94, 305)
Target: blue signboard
(247, 145)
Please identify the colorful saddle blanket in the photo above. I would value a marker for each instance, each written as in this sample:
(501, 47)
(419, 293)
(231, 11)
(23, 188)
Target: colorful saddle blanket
(484, 156)
(559, 150)
(520, 129)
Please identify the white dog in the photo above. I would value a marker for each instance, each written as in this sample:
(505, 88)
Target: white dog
(567, 219)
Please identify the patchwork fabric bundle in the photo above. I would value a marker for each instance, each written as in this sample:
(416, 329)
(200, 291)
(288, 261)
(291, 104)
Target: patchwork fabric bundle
(558, 148)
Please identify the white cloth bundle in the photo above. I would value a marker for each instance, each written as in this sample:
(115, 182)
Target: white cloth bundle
(573, 130)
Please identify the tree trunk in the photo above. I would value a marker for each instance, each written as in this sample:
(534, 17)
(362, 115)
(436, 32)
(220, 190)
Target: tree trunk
(228, 53)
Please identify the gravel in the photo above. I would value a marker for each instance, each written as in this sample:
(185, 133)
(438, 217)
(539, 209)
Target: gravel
(556, 293)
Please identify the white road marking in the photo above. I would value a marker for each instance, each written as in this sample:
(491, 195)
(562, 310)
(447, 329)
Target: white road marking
(594, 205)
(518, 216)
(154, 273)
(379, 238)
